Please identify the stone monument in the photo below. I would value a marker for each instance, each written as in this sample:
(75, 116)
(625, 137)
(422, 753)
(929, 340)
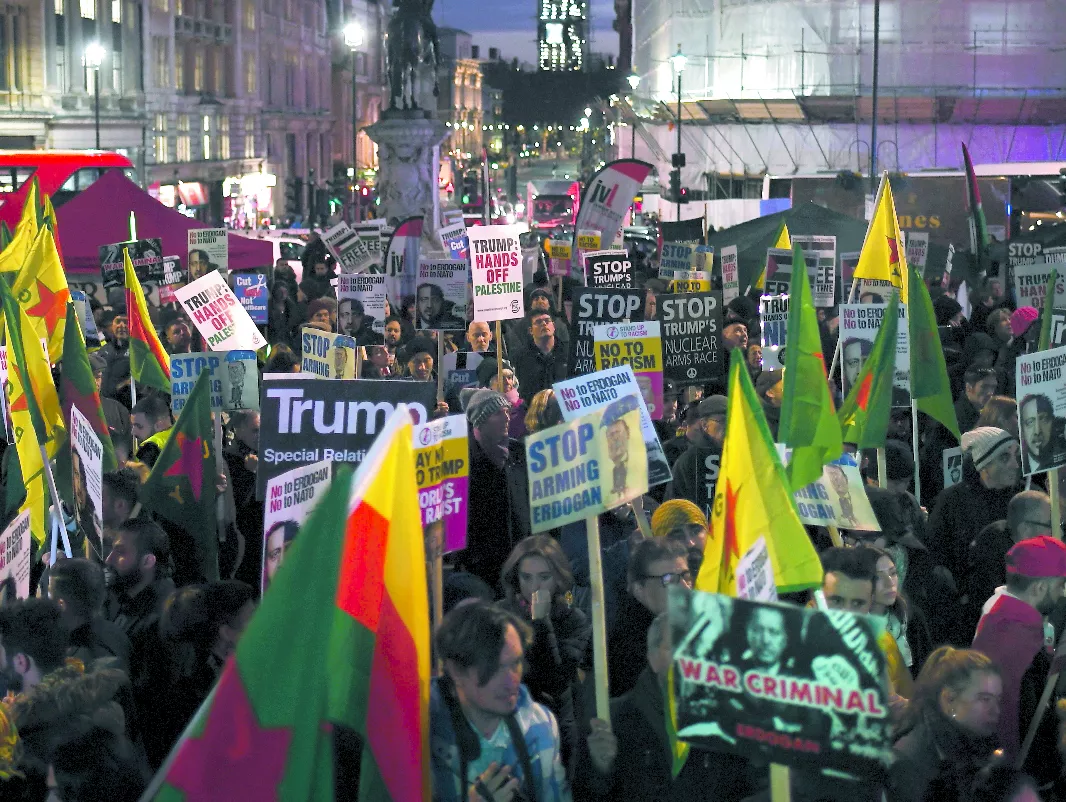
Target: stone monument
(409, 136)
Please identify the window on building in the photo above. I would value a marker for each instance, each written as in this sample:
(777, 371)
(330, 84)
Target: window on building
(184, 149)
(61, 78)
(249, 137)
(207, 137)
(218, 83)
(198, 71)
(162, 155)
(161, 5)
(179, 68)
(12, 47)
(116, 10)
(249, 15)
(88, 9)
(223, 138)
(249, 73)
(160, 62)
(179, 7)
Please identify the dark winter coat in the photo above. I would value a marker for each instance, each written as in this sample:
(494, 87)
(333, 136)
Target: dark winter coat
(936, 760)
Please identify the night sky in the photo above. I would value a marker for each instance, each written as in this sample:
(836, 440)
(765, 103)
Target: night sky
(511, 25)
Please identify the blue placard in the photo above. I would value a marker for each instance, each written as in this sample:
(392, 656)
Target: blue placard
(251, 290)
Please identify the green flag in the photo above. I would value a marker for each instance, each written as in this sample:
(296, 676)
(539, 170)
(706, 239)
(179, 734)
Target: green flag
(866, 411)
(809, 424)
(1049, 307)
(5, 235)
(181, 487)
(930, 387)
(77, 388)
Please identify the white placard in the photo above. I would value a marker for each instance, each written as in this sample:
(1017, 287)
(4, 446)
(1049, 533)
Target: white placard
(218, 315)
(496, 270)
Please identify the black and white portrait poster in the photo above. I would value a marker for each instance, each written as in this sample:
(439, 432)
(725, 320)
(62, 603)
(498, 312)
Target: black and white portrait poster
(1042, 410)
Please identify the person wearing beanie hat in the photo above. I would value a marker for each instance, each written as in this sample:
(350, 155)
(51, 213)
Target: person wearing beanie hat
(676, 513)
(488, 375)
(696, 471)
(322, 314)
(770, 387)
(948, 311)
(1012, 633)
(990, 478)
(418, 358)
(498, 504)
(1022, 318)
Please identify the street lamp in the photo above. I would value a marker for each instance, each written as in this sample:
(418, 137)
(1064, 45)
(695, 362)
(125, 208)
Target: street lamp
(92, 59)
(353, 40)
(678, 60)
(634, 82)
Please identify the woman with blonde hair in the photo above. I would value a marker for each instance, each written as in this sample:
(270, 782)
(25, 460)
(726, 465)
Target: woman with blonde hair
(1000, 411)
(949, 727)
(544, 412)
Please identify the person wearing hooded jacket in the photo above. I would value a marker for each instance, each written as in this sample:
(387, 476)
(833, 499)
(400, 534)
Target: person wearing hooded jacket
(695, 473)
(1014, 633)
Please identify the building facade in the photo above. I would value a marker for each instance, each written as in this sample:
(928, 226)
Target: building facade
(47, 97)
(459, 104)
(563, 35)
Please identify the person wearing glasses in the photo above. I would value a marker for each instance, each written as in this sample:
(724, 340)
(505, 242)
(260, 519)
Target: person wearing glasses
(654, 565)
(543, 363)
(1028, 516)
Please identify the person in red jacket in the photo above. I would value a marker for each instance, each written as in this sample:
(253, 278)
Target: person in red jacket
(1013, 632)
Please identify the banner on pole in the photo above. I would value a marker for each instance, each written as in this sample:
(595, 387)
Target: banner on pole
(773, 315)
(442, 470)
(640, 346)
(730, 274)
(1042, 410)
(608, 270)
(218, 315)
(496, 273)
(859, 324)
(441, 294)
(290, 497)
(691, 329)
(208, 251)
(15, 554)
(360, 293)
(87, 455)
(594, 307)
(251, 290)
(234, 379)
(326, 355)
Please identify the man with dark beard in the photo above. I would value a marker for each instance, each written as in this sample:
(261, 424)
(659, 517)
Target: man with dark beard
(1012, 634)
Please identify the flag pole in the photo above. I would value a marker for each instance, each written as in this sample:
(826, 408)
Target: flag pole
(834, 535)
(882, 468)
(360, 357)
(499, 355)
(1056, 512)
(220, 501)
(914, 449)
(642, 517)
(440, 367)
(836, 348)
(599, 619)
(780, 783)
(57, 507)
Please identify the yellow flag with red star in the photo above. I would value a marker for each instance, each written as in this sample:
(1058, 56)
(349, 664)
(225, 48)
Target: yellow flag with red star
(883, 257)
(14, 255)
(41, 289)
(752, 500)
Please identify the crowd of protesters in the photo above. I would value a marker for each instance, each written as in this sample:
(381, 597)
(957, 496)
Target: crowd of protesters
(108, 663)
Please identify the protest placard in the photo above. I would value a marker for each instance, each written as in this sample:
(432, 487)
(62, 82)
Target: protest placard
(208, 250)
(639, 346)
(730, 274)
(675, 256)
(690, 281)
(1026, 250)
(593, 307)
(290, 497)
(838, 498)
(251, 291)
(15, 549)
(305, 421)
(608, 269)
(373, 238)
(326, 355)
(460, 370)
(848, 262)
(703, 259)
(441, 294)
(218, 315)
(589, 239)
(820, 256)
(917, 249)
(234, 379)
(350, 250)
(442, 470)
(496, 271)
(812, 693)
(174, 275)
(87, 479)
(453, 238)
(691, 325)
(560, 254)
(755, 574)
(778, 271)
(584, 394)
(773, 325)
(145, 254)
(859, 324)
(360, 294)
(1042, 410)
(86, 319)
(1030, 284)
(951, 462)
(578, 470)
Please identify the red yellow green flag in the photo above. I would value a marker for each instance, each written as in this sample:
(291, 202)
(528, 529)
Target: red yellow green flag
(930, 387)
(41, 288)
(149, 362)
(809, 425)
(77, 388)
(752, 499)
(181, 487)
(883, 257)
(865, 413)
(355, 654)
(782, 241)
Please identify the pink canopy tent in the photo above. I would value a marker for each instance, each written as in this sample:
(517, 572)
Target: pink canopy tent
(101, 215)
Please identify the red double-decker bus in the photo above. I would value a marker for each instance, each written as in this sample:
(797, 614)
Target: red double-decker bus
(60, 173)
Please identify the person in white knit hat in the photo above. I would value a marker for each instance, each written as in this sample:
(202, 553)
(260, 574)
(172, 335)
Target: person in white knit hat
(990, 477)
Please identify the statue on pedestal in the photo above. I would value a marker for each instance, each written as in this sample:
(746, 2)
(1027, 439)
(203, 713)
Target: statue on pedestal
(410, 44)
